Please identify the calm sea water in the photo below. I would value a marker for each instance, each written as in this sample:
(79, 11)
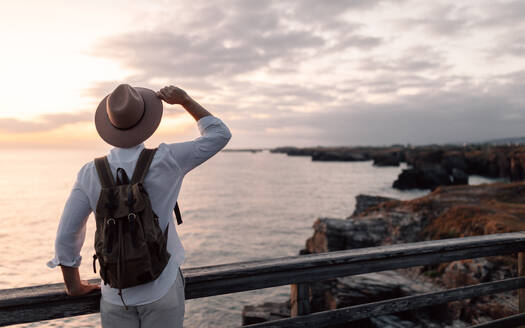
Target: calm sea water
(236, 207)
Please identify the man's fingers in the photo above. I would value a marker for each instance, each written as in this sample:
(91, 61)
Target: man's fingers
(162, 94)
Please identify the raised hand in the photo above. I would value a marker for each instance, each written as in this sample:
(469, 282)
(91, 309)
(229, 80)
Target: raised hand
(173, 95)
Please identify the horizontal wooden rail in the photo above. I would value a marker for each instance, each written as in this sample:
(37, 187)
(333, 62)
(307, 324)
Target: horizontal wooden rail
(362, 311)
(29, 304)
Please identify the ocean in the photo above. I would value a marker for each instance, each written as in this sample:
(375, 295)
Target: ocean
(237, 206)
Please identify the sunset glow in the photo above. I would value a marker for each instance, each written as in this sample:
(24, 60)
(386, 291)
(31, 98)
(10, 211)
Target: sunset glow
(279, 73)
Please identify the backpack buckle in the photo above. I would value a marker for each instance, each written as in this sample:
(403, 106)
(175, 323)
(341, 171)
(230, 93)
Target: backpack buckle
(111, 221)
(131, 217)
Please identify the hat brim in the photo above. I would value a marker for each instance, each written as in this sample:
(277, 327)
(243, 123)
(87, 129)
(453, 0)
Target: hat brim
(137, 134)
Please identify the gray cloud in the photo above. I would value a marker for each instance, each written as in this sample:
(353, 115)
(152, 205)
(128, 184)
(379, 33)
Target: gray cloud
(414, 59)
(237, 37)
(283, 39)
(45, 123)
(444, 20)
(240, 41)
(509, 44)
(440, 117)
(503, 14)
(326, 11)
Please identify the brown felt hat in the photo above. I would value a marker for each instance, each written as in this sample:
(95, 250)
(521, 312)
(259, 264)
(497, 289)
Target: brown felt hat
(128, 116)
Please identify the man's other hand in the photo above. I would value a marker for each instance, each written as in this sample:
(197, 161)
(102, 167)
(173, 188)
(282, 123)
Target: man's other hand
(82, 288)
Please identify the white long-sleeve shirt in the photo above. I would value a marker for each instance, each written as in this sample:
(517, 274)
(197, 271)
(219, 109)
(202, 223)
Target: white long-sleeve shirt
(163, 182)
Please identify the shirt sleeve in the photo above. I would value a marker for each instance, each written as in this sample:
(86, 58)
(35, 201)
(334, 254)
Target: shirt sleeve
(71, 229)
(214, 136)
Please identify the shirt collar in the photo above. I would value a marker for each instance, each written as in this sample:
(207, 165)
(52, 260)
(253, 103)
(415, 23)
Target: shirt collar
(125, 154)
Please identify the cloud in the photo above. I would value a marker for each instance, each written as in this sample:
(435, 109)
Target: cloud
(238, 37)
(443, 20)
(468, 112)
(337, 72)
(46, 122)
(326, 11)
(241, 41)
(503, 14)
(414, 59)
(509, 44)
(50, 122)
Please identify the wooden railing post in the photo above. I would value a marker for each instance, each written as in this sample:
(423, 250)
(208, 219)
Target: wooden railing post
(521, 291)
(299, 299)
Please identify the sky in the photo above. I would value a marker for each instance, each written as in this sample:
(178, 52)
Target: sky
(278, 73)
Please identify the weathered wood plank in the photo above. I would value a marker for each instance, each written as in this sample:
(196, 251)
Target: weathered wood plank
(243, 276)
(508, 322)
(357, 312)
(320, 266)
(53, 310)
(44, 302)
(355, 255)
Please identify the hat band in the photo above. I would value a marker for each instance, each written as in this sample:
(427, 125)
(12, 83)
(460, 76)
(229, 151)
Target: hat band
(131, 127)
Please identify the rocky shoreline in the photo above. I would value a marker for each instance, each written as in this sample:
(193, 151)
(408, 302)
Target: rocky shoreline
(430, 166)
(447, 212)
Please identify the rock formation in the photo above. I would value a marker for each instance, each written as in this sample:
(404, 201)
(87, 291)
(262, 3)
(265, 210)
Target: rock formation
(447, 212)
(430, 166)
(364, 202)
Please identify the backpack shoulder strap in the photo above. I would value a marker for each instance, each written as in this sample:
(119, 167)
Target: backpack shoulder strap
(177, 213)
(142, 166)
(141, 169)
(104, 172)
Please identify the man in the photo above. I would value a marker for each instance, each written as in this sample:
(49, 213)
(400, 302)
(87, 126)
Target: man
(125, 119)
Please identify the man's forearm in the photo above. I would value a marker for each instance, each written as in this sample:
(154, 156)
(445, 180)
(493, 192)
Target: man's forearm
(75, 286)
(71, 277)
(194, 108)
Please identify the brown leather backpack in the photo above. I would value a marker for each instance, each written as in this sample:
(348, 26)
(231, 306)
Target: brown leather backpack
(129, 243)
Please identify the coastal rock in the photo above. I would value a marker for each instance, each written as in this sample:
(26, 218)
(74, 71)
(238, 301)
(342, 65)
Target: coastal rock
(447, 212)
(339, 156)
(426, 177)
(486, 160)
(459, 177)
(517, 165)
(382, 155)
(493, 163)
(336, 234)
(454, 160)
(268, 311)
(467, 272)
(383, 224)
(294, 151)
(388, 158)
(424, 156)
(364, 202)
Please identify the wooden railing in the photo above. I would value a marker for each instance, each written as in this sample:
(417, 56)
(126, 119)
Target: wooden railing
(45, 302)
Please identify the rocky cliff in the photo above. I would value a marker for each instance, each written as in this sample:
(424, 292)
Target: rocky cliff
(453, 211)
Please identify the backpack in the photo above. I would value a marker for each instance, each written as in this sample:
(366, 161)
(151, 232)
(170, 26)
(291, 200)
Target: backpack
(129, 243)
